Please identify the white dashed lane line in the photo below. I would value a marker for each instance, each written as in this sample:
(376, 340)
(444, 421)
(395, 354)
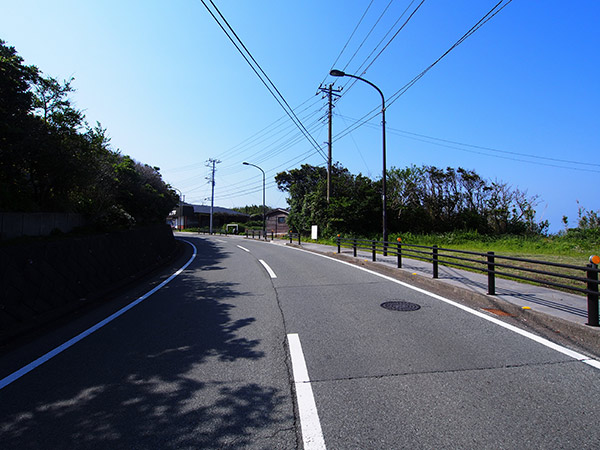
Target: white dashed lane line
(312, 435)
(269, 270)
(245, 249)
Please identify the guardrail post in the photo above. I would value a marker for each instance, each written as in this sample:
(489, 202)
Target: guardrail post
(272, 235)
(385, 248)
(354, 247)
(592, 298)
(338, 243)
(374, 248)
(491, 263)
(298, 237)
(434, 254)
(290, 236)
(399, 252)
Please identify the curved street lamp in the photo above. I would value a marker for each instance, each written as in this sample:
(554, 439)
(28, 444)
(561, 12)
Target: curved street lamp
(264, 206)
(339, 73)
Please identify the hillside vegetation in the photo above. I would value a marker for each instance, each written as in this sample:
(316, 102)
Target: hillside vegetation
(52, 160)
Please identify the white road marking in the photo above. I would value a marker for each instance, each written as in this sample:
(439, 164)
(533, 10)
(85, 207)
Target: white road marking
(61, 348)
(312, 435)
(559, 348)
(245, 249)
(269, 270)
(219, 240)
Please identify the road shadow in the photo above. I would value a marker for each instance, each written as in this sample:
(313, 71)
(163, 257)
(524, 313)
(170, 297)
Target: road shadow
(174, 372)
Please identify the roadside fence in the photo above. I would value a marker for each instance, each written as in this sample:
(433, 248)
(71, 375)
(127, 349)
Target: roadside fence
(581, 279)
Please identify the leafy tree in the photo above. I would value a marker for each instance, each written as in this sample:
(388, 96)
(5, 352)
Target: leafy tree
(427, 199)
(587, 220)
(16, 103)
(352, 206)
(51, 160)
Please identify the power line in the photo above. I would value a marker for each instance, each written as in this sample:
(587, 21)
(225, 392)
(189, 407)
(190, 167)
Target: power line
(350, 83)
(487, 17)
(270, 132)
(368, 34)
(264, 134)
(444, 142)
(272, 88)
(393, 37)
(375, 111)
(349, 39)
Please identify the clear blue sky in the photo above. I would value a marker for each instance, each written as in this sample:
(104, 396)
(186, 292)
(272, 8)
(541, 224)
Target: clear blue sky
(173, 91)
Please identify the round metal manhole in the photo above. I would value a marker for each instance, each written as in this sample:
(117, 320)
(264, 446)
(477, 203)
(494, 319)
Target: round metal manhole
(400, 306)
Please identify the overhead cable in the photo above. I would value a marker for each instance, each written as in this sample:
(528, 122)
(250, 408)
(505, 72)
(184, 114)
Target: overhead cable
(264, 78)
(375, 111)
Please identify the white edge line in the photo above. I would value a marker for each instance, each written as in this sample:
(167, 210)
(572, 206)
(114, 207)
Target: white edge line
(269, 270)
(243, 248)
(61, 348)
(312, 435)
(559, 348)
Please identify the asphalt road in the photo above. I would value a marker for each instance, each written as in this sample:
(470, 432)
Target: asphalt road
(206, 362)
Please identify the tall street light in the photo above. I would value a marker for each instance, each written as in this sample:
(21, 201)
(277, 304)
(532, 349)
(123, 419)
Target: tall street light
(264, 206)
(339, 73)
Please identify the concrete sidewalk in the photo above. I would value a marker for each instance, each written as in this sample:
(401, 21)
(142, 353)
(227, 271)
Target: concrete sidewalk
(555, 303)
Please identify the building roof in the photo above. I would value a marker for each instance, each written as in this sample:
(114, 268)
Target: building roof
(278, 211)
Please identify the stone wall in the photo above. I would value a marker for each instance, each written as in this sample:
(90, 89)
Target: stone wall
(43, 280)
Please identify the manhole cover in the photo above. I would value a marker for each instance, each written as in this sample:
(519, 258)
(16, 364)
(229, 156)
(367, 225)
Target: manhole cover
(400, 306)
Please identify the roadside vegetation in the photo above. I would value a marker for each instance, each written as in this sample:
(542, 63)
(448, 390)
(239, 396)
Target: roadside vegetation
(52, 160)
(451, 208)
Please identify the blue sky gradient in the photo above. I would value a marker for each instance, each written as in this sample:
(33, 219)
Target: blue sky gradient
(173, 92)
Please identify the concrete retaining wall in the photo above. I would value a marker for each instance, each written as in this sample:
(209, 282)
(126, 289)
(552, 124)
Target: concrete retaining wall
(14, 225)
(43, 280)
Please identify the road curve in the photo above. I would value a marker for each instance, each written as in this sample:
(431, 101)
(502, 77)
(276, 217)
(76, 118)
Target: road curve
(204, 362)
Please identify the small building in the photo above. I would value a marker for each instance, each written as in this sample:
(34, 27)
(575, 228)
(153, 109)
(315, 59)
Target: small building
(276, 221)
(198, 216)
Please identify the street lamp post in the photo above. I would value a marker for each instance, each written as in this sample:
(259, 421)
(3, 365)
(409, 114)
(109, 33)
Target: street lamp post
(264, 205)
(339, 73)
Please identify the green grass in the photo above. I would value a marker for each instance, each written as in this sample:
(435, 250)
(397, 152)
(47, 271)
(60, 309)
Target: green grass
(567, 248)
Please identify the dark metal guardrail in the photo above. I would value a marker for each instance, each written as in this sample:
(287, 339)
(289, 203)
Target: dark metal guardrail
(258, 234)
(492, 264)
(215, 232)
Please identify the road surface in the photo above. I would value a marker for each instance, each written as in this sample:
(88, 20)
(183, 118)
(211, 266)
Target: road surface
(257, 345)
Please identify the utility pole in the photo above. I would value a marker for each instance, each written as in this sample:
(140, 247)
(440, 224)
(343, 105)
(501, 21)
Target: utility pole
(212, 196)
(330, 94)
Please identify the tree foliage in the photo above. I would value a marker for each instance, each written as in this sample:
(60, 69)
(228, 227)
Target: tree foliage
(352, 207)
(52, 160)
(428, 199)
(420, 200)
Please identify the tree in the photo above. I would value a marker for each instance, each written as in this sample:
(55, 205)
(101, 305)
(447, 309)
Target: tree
(428, 199)
(51, 160)
(16, 104)
(587, 220)
(352, 206)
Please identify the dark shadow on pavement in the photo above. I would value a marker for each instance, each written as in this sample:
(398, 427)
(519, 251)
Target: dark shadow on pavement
(167, 374)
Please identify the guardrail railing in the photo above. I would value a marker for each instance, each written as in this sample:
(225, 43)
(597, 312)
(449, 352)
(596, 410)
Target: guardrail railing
(493, 265)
